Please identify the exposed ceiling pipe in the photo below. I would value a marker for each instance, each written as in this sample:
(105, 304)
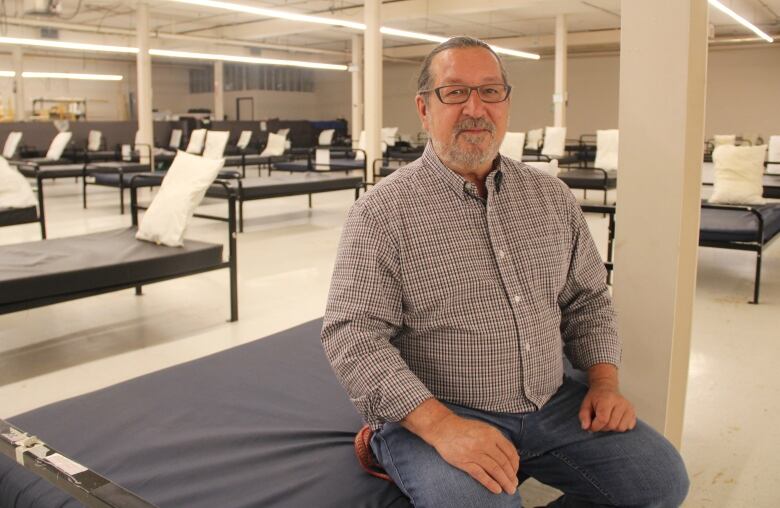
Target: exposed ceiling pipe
(190, 38)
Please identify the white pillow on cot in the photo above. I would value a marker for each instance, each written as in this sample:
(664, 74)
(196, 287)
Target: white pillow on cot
(739, 175)
(15, 190)
(182, 190)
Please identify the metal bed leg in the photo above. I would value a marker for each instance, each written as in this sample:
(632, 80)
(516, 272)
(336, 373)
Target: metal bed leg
(309, 200)
(240, 215)
(121, 194)
(357, 193)
(233, 260)
(139, 290)
(84, 191)
(40, 206)
(757, 282)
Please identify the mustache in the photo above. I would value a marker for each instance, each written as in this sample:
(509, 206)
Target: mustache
(475, 123)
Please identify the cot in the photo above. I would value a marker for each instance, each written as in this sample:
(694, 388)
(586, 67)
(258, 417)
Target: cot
(262, 424)
(736, 227)
(345, 162)
(17, 216)
(45, 272)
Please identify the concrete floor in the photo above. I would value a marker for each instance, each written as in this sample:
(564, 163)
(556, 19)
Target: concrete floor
(731, 440)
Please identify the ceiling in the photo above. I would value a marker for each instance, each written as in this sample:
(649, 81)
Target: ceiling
(518, 24)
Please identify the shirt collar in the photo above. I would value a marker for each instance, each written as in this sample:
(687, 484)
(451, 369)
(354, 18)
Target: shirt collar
(462, 187)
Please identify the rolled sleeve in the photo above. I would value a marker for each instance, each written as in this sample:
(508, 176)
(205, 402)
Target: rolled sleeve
(588, 324)
(363, 314)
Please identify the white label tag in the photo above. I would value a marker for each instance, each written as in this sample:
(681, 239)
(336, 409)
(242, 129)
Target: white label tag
(64, 464)
(14, 436)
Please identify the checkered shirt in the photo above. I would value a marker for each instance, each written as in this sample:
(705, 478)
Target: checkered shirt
(437, 292)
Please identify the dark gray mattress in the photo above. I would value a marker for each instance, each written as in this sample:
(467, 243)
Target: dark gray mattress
(52, 170)
(334, 165)
(252, 159)
(118, 167)
(265, 424)
(102, 155)
(68, 265)
(589, 179)
(287, 185)
(737, 225)
(38, 161)
(13, 216)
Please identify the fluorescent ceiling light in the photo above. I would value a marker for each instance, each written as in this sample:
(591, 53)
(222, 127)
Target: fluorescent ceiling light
(163, 52)
(63, 75)
(67, 45)
(72, 75)
(246, 59)
(273, 13)
(739, 19)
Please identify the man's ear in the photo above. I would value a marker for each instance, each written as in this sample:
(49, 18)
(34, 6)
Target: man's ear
(422, 111)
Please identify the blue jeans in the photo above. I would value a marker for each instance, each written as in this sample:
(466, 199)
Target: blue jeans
(639, 468)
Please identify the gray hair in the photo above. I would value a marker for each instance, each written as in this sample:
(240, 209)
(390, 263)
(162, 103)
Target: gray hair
(425, 81)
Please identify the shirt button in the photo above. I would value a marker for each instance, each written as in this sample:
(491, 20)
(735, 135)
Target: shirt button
(527, 346)
(517, 298)
(501, 254)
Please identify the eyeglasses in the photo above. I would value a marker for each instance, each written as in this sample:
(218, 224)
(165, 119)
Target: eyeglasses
(458, 94)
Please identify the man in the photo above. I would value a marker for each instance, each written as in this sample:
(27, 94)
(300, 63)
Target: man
(457, 281)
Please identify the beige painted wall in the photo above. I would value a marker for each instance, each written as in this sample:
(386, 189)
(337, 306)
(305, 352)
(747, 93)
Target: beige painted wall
(742, 92)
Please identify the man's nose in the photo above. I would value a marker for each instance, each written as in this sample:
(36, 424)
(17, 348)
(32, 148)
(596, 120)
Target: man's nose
(474, 106)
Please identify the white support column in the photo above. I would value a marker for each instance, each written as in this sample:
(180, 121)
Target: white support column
(144, 73)
(373, 84)
(357, 87)
(560, 96)
(19, 115)
(662, 98)
(219, 90)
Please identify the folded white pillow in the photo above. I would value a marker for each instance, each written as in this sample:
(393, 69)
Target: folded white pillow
(275, 145)
(15, 190)
(244, 139)
(533, 138)
(181, 192)
(512, 145)
(359, 156)
(773, 155)
(175, 140)
(607, 142)
(11, 144)
(326, 137)
(389, 135)
(216, 141)
(554, 141)
(93, 140)
(724, 139)
(58, 145)
(197, 138)
(551, 168)
(738, 174)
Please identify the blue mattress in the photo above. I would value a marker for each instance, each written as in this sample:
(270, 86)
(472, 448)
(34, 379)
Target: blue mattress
(737, 225)
(265, 424)
(335, 165)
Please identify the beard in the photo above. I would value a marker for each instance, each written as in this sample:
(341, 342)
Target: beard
(467, 149)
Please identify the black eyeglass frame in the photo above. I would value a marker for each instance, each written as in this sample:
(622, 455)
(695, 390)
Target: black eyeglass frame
(438, 89)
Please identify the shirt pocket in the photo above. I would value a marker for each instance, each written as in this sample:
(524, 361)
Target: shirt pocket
(544, 265)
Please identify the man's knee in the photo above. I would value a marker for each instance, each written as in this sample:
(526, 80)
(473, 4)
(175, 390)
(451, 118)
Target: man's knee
(664, 480)
(427, 479)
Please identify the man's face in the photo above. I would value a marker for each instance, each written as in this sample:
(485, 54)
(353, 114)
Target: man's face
(464, 135)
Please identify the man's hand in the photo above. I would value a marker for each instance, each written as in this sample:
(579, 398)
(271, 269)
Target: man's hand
(604, 408)
(472, 446)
